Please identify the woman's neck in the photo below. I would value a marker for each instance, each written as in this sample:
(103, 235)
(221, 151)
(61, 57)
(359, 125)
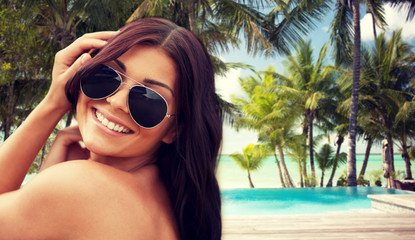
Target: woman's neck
(127, 164)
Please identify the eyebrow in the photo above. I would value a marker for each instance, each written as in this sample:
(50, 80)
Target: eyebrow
(120, 64)
(146, 80)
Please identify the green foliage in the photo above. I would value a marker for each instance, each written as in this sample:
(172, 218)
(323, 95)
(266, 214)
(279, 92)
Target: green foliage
(376, 177)
(411, 152)
(324, 157)
(33, 168)
(361, 181)
(310, 181)
(400, 174)
(252, 157)
(63, 21)
(220, 23)
(25, 70)
(342, 181)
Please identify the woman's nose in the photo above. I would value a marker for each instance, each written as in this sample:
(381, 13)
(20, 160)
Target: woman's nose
(119, 99)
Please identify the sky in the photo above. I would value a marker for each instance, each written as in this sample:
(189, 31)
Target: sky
(228, 85)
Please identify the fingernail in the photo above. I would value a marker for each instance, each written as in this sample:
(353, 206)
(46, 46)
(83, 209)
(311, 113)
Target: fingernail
(83, 58)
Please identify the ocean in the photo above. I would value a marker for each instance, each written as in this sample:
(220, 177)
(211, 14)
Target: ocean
(230, 175)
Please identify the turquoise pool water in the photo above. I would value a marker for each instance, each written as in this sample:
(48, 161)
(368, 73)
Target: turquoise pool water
(299, 200)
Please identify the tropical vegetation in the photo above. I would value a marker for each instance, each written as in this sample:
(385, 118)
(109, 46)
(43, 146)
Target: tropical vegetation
(359, 92)
(311, 90)
(251, 159)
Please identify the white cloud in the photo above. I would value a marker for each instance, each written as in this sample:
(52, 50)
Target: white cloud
(395, 19)
(228, 85)
(366, 28)
(234, 141)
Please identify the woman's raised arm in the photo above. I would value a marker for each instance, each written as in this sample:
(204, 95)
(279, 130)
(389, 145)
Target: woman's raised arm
(21, 148)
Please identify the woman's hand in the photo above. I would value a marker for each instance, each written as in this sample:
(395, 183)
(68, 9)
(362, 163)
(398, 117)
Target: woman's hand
(66, 147)
(68, 61)
(34, 131)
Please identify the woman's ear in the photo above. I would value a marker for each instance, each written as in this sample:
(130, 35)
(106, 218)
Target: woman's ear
(170, 135)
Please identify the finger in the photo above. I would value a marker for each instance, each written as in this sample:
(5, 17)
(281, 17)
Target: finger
(68, 55)
(91, 40)
(70, 72)
(103, 35)
(83, 44)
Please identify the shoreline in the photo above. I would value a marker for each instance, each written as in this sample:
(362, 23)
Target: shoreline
(230, 175)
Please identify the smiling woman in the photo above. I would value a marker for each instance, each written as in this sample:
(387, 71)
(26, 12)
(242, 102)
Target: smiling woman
(149, 118)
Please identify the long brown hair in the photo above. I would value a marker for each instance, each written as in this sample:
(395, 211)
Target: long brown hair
(188, 165)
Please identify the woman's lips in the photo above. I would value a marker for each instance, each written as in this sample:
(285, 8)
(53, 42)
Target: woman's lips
(111, 125)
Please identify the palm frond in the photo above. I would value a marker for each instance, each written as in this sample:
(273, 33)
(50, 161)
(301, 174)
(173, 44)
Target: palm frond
(400, 4)
(341, 36)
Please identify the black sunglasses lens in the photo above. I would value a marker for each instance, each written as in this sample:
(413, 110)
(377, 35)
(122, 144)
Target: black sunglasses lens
(146, 106)
(100, 82)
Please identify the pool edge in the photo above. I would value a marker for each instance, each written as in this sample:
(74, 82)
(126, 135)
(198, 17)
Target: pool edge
(396, 203)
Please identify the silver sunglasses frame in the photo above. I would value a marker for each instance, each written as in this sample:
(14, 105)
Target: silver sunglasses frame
(121, 75)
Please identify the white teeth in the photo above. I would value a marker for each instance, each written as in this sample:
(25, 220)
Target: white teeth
(111, 125)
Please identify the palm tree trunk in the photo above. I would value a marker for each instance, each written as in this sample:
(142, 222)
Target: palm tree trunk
(405, 157)
(392, 156)
(392, 164)
(287, 176)
(322, 178)
(305, 172)
(367, 154)
(305, 133)
(351, 157)
(393, 185)
(311, 151)
(192, 18)
(251, 185)
(340, 140)
(279, 170)
(333, 171)
(300, 168)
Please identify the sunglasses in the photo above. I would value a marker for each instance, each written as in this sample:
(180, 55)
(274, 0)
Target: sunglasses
(146, 106)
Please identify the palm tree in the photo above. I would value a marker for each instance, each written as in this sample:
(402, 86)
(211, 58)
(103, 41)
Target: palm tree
(277, 140)
(387, 73)
(405, 129)
(405, 118)
(24, 69)
(351, 167)
(220, 23)
(271, 115)
(325, 160)
(63, 20)
(251, 159)
(368, 131)
(270, 143)
(345, 27)
(311, 82)
(297, 150)
(340, 139)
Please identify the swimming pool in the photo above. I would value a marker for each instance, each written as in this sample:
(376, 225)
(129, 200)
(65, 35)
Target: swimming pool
(280, 201)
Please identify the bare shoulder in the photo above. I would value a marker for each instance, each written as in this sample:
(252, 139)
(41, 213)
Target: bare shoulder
(88, 200)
